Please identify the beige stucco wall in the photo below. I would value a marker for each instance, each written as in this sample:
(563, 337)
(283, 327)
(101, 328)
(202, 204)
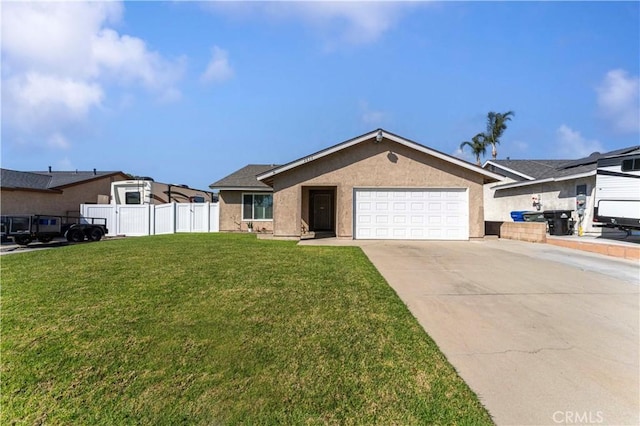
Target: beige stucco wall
(231, 213)
(66, 203)
(553, 196)
(366, 165)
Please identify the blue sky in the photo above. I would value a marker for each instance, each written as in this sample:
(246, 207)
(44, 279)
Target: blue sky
(188, 92)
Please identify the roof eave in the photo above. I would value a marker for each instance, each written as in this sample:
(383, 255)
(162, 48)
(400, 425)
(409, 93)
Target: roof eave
(91, 179)
(507, 169)
(241, 188)
(577, 176)
(351, 142)
(547, 180)
(44, 190)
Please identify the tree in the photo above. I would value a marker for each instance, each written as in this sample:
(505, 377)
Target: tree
(478, 146)
(496, 125)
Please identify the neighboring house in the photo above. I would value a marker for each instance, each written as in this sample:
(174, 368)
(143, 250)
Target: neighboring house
(54, 192)
(375, 186)
(539, 185)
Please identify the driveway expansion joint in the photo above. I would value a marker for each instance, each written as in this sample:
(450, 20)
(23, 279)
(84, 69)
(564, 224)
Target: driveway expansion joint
(531, 352)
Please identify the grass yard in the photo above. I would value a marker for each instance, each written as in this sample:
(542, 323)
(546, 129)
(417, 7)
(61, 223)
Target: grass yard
(216, 329)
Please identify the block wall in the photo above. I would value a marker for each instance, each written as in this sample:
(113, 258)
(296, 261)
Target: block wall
(534, 232)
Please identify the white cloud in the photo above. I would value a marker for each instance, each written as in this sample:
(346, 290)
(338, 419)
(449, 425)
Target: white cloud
(351, 22)
(56, 37)
(39, 104)
(338, 22)
(59, 60)
(619, 102)
(571, 144)
(39, 91)
(128, 59)
(218, 69)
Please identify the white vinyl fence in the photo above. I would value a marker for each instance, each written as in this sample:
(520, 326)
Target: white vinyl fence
(138, 220)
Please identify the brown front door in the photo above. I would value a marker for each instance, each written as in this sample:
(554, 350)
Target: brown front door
(322, 211)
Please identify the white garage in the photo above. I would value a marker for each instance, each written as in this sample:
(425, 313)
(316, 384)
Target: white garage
(411, 214)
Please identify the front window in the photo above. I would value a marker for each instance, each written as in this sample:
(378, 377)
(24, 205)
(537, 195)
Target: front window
(257, 206)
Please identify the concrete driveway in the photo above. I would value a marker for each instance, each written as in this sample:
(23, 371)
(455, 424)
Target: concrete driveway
(544, 335)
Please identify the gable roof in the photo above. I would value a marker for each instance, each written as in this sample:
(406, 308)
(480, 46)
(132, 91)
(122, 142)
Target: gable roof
(244, 179)
(542, 171)
(48, 181)
(267, 176)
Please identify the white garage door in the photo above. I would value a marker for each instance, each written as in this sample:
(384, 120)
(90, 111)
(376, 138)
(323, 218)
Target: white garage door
(411, 214)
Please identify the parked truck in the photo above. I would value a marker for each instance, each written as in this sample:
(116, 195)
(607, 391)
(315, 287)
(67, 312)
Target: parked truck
(24, 229)
(144, 190)
(617, 194)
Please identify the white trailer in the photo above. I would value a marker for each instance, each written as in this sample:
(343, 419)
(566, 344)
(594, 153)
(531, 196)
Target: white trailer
(145, 190)
(617, 195)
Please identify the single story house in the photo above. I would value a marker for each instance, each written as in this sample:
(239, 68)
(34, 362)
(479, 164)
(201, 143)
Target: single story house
(58, 193)
(376, 186)
(539, 185)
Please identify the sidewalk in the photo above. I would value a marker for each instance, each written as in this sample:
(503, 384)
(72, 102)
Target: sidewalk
(8, 247)
(627, 248)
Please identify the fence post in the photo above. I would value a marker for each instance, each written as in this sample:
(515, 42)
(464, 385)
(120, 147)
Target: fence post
(118, 216)
(152, 219)
(207, 212)
(174, 217)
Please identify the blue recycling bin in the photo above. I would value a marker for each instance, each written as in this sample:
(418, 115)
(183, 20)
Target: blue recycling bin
(518, 215)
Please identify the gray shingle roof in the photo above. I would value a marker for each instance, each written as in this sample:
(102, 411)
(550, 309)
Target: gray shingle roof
(46, 180)
(27, 180)
(544, 169)
(68, 178)
(244, 178)
(594, 157)
(537, 169)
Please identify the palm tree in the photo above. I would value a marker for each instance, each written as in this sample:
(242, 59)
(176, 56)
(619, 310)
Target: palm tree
(496, 125)
(478, 146)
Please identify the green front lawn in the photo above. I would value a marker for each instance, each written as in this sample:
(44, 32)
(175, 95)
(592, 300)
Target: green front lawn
(216, 329)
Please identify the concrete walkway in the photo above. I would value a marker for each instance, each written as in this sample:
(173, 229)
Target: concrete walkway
(628, 248)
(544, 335)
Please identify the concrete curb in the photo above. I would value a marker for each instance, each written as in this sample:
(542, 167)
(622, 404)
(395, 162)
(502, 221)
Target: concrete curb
(608, 249)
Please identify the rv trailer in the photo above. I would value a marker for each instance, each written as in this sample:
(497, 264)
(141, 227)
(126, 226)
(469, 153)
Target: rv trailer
(145, 190)
(617, 194)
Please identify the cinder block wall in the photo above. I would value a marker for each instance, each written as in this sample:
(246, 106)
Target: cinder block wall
(535, 232)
